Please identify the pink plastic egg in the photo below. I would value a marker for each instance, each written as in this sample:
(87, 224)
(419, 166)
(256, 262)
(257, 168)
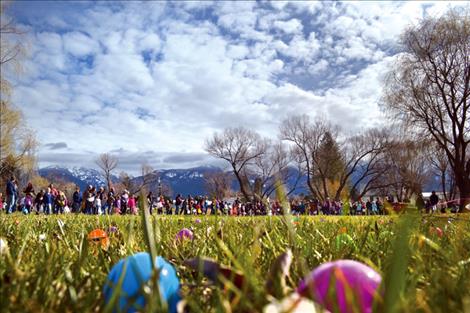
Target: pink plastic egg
(345, 276)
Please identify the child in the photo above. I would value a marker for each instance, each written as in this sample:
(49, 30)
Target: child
(375, 210)
(124, 199)
(61, 202)
(131, 205)
(98, 205)
(38, 202)
(28, 202)
(47, 201)
(90, 200)
(117, 206)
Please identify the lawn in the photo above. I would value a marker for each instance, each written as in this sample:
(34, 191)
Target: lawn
(51, 266)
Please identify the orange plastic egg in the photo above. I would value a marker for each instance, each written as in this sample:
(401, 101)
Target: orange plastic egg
(99, 236)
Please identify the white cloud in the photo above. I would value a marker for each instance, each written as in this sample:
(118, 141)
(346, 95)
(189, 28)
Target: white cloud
(290, 27)
(79, 44)
(318, 67)
(162, 78)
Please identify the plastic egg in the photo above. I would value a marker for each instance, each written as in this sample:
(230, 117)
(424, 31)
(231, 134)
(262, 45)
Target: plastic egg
(437, 231)
(185, 233)
(113, 229)
(348, 276)
(293, 303)
(99, 236)
(138, 272)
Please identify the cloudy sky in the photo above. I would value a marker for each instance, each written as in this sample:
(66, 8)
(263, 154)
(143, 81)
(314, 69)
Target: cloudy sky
(150, 81)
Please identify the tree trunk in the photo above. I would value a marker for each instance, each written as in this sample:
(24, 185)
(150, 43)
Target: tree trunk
(241, 183)
(310, 186)
(464, 188)
(443, 185)
(325, 188)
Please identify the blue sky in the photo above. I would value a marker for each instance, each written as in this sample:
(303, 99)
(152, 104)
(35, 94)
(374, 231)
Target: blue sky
(150, 81)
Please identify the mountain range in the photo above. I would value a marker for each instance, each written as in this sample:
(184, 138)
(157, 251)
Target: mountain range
(183, 181)
(190, 181)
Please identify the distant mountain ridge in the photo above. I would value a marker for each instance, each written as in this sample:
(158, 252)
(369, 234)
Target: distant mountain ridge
(183, 181)
(80, 176)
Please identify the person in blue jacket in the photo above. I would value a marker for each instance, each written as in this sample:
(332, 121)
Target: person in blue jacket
(11, 193)
(77, 200)
(48, 201)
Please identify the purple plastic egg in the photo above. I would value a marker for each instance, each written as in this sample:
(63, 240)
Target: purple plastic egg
(197, 221)
(348, 276)
(183, 234)
(112, 229)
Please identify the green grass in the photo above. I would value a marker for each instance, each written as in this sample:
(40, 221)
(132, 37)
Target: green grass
(65, 273)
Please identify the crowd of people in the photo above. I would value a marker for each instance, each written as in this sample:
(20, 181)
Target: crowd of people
(99, 201)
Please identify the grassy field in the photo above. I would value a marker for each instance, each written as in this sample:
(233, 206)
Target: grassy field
(51, 267)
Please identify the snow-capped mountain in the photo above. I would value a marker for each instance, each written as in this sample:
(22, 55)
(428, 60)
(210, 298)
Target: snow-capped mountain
(184, 181)
(190, 181)
(78, 175)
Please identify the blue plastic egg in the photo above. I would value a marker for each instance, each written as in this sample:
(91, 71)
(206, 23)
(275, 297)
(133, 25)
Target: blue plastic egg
(138, 271)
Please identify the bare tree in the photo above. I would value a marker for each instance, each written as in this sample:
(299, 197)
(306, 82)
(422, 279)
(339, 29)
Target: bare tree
(240, 147)
(17, 142)
(218, 184)
(406, 168)
(362, 154)
(440, 166)
(12, 48)
(429, 88)
(305, 137)
(107, 163)
(149, 177)
(126, 182)
(273, 167)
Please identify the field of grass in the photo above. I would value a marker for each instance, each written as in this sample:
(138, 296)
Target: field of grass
(50, 266)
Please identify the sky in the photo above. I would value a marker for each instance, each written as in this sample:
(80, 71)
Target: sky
(149, 82)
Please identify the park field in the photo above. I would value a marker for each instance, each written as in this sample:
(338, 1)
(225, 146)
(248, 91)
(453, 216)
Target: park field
(47, 264)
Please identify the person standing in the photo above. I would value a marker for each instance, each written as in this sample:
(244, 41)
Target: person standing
(131, 204)
(434, 200)
(38, 202)
(110, 200)
(99, 202)
(29, 189)
(60, 202)
(369, 207)
(89, 199)
(420, 203)
(28, 203)
(11, 195)
(124, 200)
(150, 201)
(76, 200)
(178, 202)
(48, 201)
